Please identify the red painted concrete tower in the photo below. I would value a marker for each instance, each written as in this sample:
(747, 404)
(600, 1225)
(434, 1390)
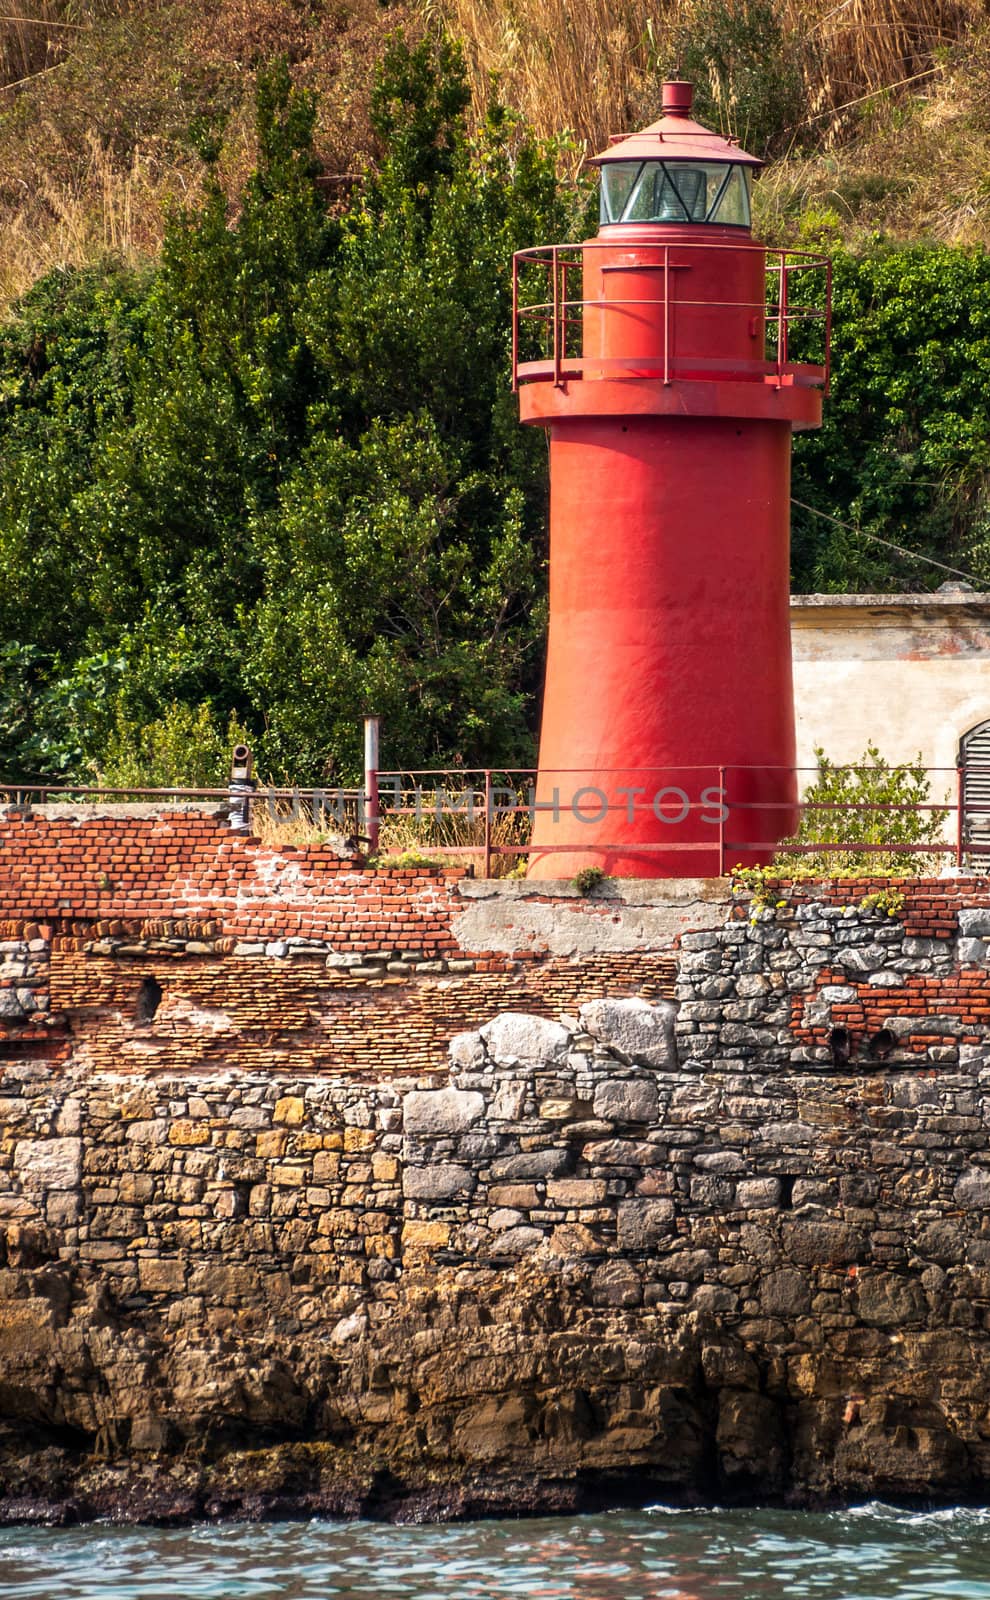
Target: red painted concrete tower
(644, 353)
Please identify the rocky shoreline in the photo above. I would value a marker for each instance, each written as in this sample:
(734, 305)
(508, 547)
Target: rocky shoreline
(682, 1251)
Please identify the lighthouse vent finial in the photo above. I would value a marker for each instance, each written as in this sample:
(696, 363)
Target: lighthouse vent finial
(677, 97)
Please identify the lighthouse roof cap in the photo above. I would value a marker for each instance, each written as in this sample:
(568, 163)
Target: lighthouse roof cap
(675, 137)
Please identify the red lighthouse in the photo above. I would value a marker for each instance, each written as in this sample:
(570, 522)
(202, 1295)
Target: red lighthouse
(657, 358)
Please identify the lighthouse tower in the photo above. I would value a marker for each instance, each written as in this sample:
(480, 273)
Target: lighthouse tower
(657, 356)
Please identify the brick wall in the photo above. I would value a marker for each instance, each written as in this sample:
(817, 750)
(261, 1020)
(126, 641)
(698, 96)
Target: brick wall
(265, 959)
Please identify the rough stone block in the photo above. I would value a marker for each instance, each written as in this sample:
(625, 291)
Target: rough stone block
(49, 1163)
(271, 1145)
(785, 1293)
(757, 1194)
(642, 1222)
(441, 1110)
(26, 1327)
(516, 1241)
(439, 1182)
(640, 1031)
(973, 1189)
(162, 1277)
(974, 922)
(617, 1283)
(425, 1235)
(184, 1132)
(467, 1050)
(719, 1161)
(290, 1110)
(515, 1036)
(514, 1195)
(888, 1301)
(627, 1100)
(151, 1131)
(576, 1191)
(530, 1164)
(509, 1102)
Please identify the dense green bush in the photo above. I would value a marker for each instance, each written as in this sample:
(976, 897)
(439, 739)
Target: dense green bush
(904, 451)
(746, 69)
(281, 478)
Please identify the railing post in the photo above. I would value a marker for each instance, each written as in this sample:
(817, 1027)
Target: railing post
(489, 796)
(666, 316)
(372, 815)
(515, 324)
(556, 319)
(781, 317)
(240, 789)
(723, 808)
(960, 814)
(828, 327)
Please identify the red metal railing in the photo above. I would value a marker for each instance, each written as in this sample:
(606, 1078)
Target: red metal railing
(492, 809)
(556, 317)
(347, 808)
(477, 802)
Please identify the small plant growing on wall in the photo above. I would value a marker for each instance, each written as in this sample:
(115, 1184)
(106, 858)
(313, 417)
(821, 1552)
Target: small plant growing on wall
(883, 903)
(760, 883)
(589, 879)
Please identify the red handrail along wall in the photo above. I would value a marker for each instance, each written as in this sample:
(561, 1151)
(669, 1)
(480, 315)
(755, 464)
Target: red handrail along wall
(644, 352)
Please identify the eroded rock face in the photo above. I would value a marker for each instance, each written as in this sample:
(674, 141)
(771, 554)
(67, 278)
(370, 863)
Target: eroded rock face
(561, 1275)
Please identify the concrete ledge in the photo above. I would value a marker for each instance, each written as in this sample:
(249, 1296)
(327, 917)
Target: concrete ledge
(511, 915)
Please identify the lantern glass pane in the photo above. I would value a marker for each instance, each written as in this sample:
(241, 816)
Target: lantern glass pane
(618, 180)
(675, 191)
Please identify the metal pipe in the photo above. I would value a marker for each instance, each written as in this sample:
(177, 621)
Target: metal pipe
(372, 815)
(721, 823)
(488, 823)
(666, 316)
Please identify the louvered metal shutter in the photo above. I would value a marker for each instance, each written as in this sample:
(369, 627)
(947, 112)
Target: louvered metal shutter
(975, 753)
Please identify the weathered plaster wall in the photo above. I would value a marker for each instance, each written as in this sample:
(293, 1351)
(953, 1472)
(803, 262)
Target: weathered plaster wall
(908, 672)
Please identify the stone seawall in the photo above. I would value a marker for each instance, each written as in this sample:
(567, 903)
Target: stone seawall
(723, 1236)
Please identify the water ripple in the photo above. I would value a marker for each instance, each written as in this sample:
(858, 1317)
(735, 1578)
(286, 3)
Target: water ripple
(871, 1552)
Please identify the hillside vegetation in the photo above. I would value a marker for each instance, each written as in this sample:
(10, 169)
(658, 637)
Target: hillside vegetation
(874, 110)
(260, 464)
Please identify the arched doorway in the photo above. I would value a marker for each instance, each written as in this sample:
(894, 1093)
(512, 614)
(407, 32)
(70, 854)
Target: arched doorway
(974, 759)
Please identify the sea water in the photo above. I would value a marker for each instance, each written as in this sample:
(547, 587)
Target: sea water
(871, 1552)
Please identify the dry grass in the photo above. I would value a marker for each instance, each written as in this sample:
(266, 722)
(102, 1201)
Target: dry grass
(95, 145)
(580, 65)
(451, 838)
(459, 835)
(97, 98)
(594, 68)
(917, 168)
(278, 821)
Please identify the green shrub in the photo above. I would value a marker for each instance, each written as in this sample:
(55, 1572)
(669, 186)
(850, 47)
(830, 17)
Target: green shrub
(182, 749)
(896, 793)
(589, 879)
